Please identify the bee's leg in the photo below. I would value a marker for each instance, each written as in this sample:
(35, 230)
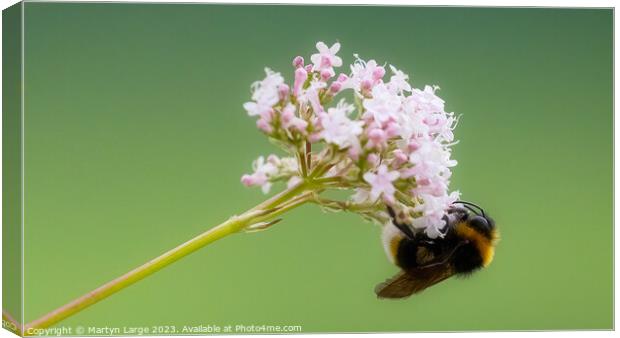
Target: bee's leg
(404, 228)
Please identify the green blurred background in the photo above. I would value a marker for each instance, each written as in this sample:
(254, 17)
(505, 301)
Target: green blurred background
(136, 139)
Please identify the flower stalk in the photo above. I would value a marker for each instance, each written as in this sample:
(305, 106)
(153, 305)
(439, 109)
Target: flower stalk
(264, 212)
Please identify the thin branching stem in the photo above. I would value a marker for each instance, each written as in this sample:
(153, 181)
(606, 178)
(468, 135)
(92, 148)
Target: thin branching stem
(309, 155)
(278, 204)
(301, 157)
(328, 180)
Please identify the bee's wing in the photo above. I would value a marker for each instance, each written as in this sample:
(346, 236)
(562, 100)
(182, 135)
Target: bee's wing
(406, 283)
(400, 286)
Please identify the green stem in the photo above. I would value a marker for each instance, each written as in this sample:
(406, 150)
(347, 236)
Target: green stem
(344, 205)
(302, 163)
(270, 208)
(328, 180)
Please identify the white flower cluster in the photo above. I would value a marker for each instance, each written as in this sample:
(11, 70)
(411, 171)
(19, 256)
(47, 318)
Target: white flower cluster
(391, 144)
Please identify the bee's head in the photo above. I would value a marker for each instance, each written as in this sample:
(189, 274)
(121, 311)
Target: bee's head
(474, 217)
(476, 227)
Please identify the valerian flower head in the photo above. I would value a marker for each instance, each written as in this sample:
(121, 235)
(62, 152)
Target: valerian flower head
(386, 141)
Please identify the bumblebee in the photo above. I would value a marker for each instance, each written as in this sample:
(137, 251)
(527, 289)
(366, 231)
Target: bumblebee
(468, 244)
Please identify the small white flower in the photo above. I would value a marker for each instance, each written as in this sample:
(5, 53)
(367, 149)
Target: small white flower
(338, 128)
(399, 81)
(411, 123)
(381, 183)
(257, 109)
(384, 104)
(433, 209)
(262, 171)
(265, 171)
(288, 166)
(441, 125)
(426, 100)
(326, 58)
(431, 158)
(264, 93)
(364, 72)
(267, 167)
(311, 95)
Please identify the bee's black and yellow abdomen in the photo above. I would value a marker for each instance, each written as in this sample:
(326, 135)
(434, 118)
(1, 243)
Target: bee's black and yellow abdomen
(411, 254)
(476, 253)
(406, 253)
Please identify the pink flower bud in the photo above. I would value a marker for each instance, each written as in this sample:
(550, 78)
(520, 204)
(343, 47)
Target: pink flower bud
(287, 116)
(335, 87)
(392, 129)
(264, 126)
(354, 153)
(315, 137)
(299, 125)
(247, 180)
(267, 115)
(376, 139)
(400, 158)
(273, 159)
(377, 136)
(309, 68)
(373, 159)
(377, 73)
(342, 77)
(298, 61)
(283, 91)
(300, 77)
(413, 146)
(366, 86)
(326, 74)
(423, 181)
